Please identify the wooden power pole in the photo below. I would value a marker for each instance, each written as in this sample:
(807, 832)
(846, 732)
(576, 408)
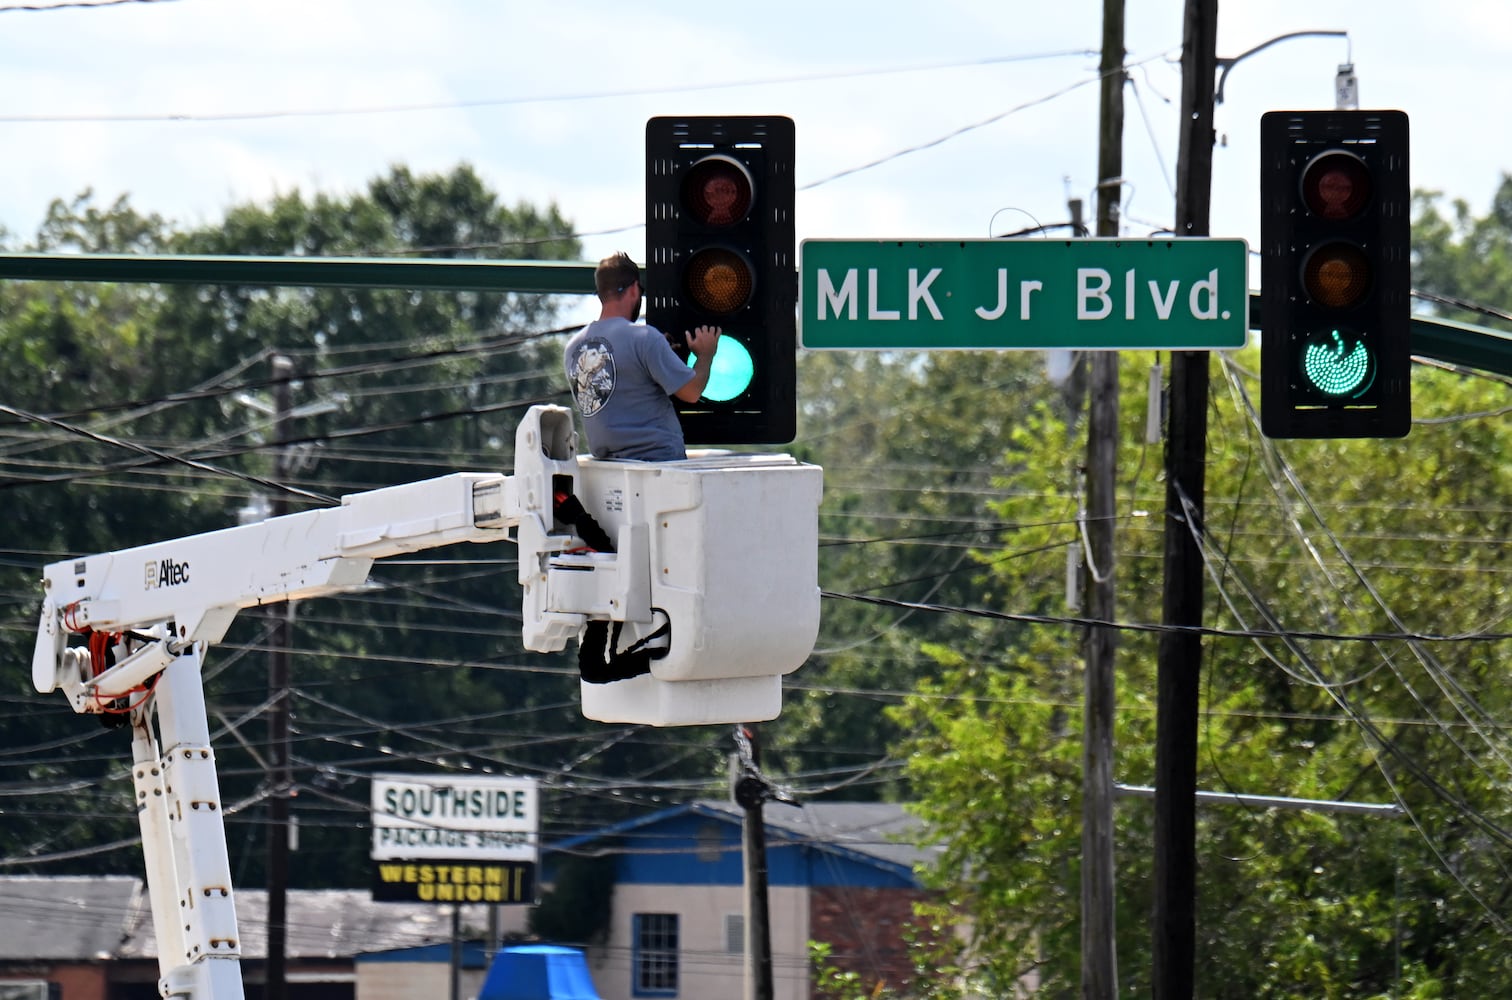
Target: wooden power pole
(1099, 951)
(750, 792)
(275, 978)
(1179, 659)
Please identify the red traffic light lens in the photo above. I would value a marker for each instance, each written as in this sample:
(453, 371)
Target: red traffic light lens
(1336, 275)
(1336, 185)
(718, 191)
(719, 280)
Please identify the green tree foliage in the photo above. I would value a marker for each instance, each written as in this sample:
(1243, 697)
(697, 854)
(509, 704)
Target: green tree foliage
(421, 670)
(1332, 542)
(578, 909)
(64, 348)
(1464, 257)
(953, 481)
(911, 444)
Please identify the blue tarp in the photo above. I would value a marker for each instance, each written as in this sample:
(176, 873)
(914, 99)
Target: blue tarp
(538, 972)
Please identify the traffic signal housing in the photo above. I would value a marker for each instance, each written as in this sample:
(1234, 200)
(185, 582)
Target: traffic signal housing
(721, 251)
(1335, 275)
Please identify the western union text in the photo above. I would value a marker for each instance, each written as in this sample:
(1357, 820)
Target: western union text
(432, 883)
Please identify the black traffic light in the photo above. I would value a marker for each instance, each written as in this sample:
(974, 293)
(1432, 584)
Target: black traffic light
(720, 250)
(1335, 275)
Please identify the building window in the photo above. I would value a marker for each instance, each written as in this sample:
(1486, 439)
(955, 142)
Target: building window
(735, 933)
(655, 958)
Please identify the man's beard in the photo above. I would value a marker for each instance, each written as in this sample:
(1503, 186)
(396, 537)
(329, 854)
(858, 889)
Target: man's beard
(640, 300)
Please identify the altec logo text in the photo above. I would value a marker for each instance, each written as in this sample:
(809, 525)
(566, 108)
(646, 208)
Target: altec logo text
(166, 574)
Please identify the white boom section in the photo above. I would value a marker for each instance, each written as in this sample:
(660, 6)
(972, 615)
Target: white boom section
(198, 584)
(184, 840)
(723, 546)
(162, 606)
(722, 549)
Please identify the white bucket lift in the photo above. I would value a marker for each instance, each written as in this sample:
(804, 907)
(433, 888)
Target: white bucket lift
(721, 547)
(732, 550)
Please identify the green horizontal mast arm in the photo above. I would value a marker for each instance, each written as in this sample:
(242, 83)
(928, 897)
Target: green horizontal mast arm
(546, 277)
(1464, 344)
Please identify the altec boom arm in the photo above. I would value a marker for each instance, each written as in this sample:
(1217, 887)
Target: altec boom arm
(191, 588)
(147, 616)
(732, 538)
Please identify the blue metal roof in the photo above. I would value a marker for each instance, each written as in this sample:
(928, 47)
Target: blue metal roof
(474, 954)
(820, 843)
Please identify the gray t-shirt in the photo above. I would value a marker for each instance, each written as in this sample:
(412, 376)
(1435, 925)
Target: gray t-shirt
(622, 376)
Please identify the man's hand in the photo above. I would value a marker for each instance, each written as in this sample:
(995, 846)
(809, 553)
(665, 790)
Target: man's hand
(704, 340)
(678, 342)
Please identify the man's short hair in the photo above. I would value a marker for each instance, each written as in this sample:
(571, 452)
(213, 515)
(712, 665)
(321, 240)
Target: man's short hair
(614, 274)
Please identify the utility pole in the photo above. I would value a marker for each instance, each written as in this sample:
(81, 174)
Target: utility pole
(280, 778)
(454, 981)
(750, 793)
(1099, 950)
(1179, 659)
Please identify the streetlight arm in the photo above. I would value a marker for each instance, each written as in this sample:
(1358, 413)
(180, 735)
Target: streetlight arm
(1227, 64)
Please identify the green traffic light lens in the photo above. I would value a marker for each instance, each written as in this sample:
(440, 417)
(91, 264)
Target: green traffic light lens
(1338, 364)
(732, 371)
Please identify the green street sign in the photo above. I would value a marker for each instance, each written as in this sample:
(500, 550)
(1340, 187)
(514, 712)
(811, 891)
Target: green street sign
(1151, 294)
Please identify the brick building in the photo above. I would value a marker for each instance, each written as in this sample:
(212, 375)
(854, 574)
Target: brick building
(840, 873)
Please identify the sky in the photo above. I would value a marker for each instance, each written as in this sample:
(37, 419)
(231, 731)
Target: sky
(951, 119)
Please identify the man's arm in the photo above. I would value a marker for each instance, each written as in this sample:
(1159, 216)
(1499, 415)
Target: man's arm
(703, 343)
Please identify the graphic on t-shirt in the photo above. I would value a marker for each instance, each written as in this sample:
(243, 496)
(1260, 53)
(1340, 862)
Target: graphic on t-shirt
(592, 376)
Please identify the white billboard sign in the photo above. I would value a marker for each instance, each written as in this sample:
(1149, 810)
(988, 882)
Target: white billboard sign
(447, 818)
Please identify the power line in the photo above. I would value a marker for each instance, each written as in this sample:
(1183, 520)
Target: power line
(400, 362)
(73, 4)
(493, 102)
(158, 455)
(964, 129)
(1152, 627)
(1431, 722)
(1458, 303)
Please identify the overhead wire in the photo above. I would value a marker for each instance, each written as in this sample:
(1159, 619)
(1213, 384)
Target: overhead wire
(159, 455)
(1428, 722)
(1370, 729)
(1157, 628)
(470, 344)
(1438, 298)
(1452, 691)
(72, 5)
(971, 127)
(554, 237)
(1390, 637)
(487, 102)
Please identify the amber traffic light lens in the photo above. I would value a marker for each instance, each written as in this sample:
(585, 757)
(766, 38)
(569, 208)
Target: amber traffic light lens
(718, 280)
(1336, 275)
(1336, 185)
(717, 191)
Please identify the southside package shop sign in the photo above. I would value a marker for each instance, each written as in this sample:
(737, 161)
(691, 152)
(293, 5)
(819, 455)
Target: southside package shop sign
(447, 818)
